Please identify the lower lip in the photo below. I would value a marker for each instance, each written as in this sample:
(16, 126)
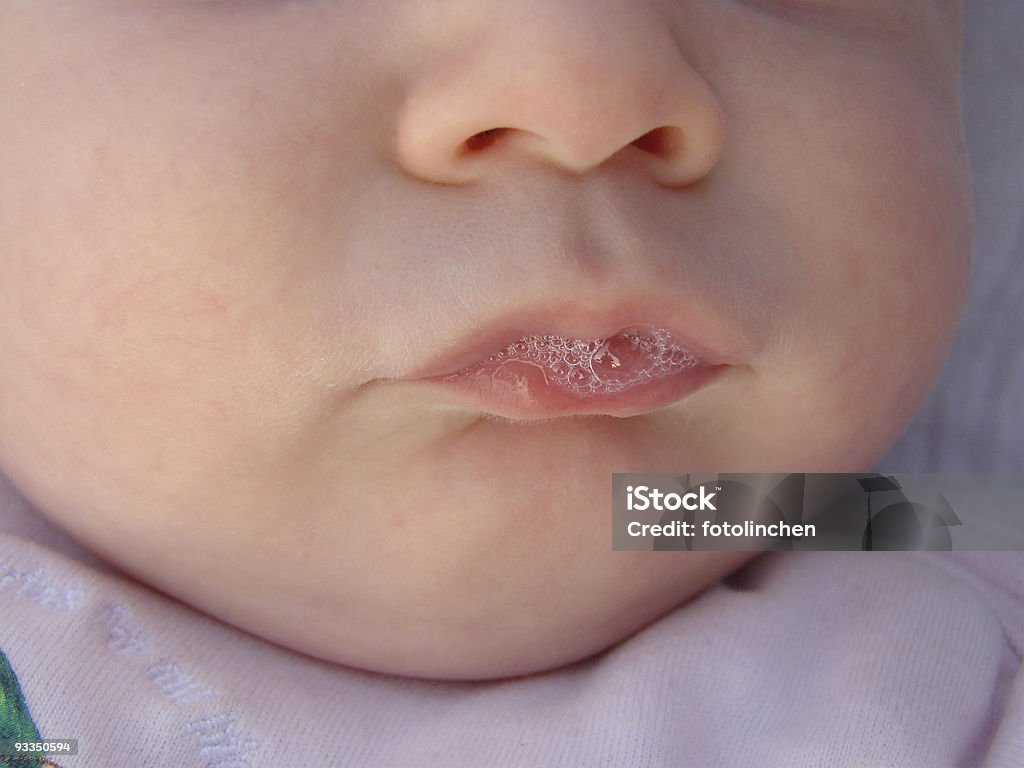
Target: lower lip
(519, 391)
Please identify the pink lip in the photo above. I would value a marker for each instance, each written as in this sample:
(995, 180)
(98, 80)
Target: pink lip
(629, 369)
(527, 397)
(704, 337)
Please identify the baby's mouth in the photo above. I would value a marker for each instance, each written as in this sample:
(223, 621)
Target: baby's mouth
(637, 370)
(589, 367)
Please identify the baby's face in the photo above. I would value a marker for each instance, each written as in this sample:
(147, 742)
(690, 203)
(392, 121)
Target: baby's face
(236, 235)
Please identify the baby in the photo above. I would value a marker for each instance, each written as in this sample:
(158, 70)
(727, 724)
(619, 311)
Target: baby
(333, 319)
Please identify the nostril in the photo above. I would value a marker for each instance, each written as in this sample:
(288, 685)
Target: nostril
(662, 142)
(484, 139)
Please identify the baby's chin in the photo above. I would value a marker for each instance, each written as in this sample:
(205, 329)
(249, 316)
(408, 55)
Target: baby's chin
(562, 611)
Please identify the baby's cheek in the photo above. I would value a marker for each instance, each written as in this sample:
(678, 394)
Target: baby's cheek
(117, 374)
(883, 242)
(916, 263)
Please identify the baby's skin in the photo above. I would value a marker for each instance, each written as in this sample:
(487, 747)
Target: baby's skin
(257, 259)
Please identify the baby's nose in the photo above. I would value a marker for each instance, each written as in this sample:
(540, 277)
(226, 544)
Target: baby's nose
(570, 83)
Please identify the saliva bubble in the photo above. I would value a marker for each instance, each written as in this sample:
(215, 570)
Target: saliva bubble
(633, 356)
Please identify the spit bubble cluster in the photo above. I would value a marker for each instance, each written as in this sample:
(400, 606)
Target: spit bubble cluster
(598, 366)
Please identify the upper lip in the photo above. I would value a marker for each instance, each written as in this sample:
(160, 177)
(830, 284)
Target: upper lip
(691, 323)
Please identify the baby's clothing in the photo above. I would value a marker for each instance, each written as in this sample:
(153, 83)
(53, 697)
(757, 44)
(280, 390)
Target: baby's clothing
(800, 659)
